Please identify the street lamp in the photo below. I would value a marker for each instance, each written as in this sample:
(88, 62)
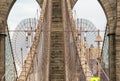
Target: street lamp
(98, 40)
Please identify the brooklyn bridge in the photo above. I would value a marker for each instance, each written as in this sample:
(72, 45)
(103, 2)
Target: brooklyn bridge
(56, 47)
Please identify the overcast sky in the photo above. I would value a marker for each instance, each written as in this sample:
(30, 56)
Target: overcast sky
(87, 9)
(22, 9)
(91, 10)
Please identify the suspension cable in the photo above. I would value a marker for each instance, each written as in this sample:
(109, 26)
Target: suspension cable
(12, 54)
(29, 60)
(88, 73)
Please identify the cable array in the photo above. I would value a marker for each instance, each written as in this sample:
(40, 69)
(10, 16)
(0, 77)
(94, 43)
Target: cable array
(31, 48)
(10, 65)
(22, 40)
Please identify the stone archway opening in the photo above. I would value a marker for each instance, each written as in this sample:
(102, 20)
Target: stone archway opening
(111, 10)
(21, 10)
(15, 13)
(95, 11)
(109, 7)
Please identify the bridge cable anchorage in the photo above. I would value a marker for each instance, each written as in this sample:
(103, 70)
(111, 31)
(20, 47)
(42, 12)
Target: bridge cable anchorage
(88, 74)
(31, 55)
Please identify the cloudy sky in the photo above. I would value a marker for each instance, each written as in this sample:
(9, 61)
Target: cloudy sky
(22, 9)
(87, 9)
(91, 10)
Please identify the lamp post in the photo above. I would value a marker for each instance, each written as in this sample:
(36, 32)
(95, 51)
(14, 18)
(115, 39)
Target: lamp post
(98, 40)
